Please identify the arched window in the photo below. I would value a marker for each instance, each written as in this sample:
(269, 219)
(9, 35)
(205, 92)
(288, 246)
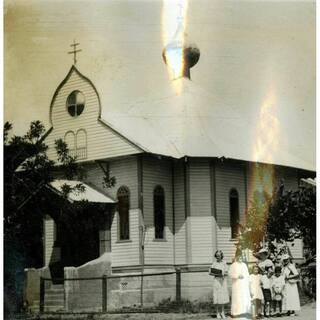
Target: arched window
(70, 140)
(159, 212)
(81, 141)
(123, 196)
(234, 212)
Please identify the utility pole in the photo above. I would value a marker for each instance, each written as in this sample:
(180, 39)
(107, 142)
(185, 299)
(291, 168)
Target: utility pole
(142, 240)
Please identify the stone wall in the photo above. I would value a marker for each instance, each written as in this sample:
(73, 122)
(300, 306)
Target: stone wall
(126, 291)
(31, 292)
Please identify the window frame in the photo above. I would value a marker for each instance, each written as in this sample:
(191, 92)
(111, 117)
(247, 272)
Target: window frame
(71, 150)
(125, 193)
(68, 105)
(234, 194)
(159, 191)
(85, 147)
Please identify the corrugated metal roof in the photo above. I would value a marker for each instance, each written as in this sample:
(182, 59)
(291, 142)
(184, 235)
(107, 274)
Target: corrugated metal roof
(89, 194)
(195, 123)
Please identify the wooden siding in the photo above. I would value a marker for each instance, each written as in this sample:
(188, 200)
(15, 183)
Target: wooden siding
(288, 175)
(228, 176)
(296, 248)
(180, 214)
(125, 170)
(126, 252)
(214, 208)
(157, 172)
(201, 217)
(102, 141)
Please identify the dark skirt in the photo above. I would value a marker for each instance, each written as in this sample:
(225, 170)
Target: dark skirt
(267, 295)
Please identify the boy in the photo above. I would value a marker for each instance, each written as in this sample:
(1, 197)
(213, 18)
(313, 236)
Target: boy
(277, 286)
(266, 289)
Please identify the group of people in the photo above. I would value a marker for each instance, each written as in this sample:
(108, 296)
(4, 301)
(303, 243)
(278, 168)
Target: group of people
(268, 290)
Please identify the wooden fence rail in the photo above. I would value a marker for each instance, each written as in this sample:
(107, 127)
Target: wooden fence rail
(104, 280)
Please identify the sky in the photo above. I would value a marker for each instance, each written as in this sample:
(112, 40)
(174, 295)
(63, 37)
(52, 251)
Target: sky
(247, 49)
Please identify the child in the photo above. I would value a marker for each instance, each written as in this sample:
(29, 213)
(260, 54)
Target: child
(278, 262)
(256, 292)
(266, 289)
(278, 284)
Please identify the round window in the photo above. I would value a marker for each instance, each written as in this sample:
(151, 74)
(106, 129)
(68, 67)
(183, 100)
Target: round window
(75, 103)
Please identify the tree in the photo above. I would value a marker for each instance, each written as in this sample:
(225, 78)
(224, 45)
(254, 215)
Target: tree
(27, 173)
(292, 215)
(280, 218)
(27, 170)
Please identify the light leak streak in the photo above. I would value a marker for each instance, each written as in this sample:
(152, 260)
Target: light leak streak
(262, 172)
(174, 14)
(266, 145)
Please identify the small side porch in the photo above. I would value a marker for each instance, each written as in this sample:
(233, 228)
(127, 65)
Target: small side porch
(76, 241)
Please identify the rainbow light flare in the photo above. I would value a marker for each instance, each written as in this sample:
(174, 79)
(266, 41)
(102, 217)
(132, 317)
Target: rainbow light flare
(173, 37)
(262, 173)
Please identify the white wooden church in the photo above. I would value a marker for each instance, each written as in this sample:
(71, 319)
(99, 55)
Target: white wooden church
(182, 167)
(187, 163)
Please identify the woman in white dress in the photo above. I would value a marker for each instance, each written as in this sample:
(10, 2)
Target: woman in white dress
(291, 301)
(240, 298)
(220, 286)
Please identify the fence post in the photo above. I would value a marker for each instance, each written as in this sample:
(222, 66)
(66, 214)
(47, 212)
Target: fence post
(41, 303)
(104, 293)
(178, 284)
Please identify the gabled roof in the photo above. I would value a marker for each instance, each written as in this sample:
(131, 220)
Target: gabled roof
(72, 70)
(89, 193)
(196, 123)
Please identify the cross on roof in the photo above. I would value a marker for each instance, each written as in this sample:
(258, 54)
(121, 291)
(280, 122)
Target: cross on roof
(74, 51)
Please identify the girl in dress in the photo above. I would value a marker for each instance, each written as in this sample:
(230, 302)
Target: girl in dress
(256, 292)
(220, 288)
(291, 301)
(240, 299)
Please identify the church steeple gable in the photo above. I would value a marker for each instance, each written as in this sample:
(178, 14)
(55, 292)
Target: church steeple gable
(70, 95)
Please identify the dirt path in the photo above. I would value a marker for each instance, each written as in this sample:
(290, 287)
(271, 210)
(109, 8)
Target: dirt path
(308, 312)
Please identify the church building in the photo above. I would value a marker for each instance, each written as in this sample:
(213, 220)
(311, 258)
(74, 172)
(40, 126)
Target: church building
(185, 171)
